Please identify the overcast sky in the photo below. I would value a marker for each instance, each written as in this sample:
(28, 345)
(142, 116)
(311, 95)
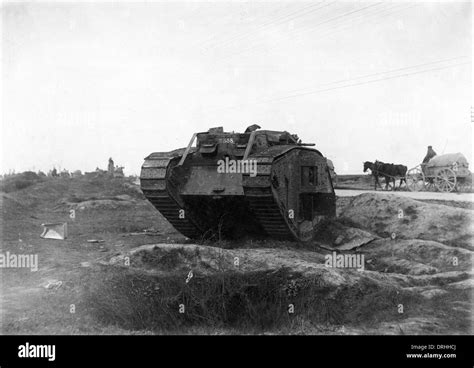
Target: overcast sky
(362, 80)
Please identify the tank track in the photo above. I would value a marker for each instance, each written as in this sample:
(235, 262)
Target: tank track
(153, 182)
(259, 193)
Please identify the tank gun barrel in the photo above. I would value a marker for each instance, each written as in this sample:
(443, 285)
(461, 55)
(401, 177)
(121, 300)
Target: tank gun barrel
(307, 144)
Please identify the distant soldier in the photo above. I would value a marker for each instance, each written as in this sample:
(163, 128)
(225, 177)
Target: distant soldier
(111, 166)
(118, 173)
(54, 173)
(429, 155)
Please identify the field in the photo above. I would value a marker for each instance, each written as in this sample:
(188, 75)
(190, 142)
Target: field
(355, 182)
(124, 270)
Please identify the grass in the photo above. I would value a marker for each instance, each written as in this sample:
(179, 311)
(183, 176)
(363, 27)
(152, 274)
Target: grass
(19, 181)
(253, 302)
(118, 300)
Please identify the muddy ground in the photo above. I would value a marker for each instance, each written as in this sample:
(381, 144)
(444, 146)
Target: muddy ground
(142, 277)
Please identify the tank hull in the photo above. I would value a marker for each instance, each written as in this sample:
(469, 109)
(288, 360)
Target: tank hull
(285, 198)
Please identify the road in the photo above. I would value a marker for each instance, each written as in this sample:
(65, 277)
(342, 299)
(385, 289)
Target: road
(460, 197)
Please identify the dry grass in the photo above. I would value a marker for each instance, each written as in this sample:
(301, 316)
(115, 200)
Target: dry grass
(254, 302)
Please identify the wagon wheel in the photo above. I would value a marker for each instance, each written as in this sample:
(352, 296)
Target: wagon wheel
(415, 179)
(430, 185)
(445, 180)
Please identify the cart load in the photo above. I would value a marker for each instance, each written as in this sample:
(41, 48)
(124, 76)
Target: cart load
(448, 159)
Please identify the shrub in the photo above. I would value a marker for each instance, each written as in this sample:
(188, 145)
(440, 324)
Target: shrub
(19, 181)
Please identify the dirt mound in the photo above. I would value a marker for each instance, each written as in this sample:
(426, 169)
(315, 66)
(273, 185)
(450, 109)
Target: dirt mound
(179, 258)
(104, 203)
(416, 257)
(265, 282)
(133, 187)
(68, 193)
(406, 218)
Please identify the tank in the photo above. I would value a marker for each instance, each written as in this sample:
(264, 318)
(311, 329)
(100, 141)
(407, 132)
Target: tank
(226, 185)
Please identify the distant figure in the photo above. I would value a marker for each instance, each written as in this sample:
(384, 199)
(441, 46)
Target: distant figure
(118, 172)
(429, 155)
(111, 166)
(54, 173)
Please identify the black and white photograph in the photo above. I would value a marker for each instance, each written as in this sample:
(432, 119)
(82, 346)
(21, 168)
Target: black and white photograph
(236, 168)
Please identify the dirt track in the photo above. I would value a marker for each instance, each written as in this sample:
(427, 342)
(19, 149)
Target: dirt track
(458, 197)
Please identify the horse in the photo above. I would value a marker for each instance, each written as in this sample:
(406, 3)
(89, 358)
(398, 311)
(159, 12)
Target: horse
(388, 171)
(401, 171)
(372, 167)
(391, 171)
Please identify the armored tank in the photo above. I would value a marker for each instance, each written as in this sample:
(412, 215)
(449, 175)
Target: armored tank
(227, 185)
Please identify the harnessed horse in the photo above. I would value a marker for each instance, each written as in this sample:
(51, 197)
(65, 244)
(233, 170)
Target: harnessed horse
(389, 171)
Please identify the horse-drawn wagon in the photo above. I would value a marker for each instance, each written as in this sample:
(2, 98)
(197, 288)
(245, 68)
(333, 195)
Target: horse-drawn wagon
(444, 173)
